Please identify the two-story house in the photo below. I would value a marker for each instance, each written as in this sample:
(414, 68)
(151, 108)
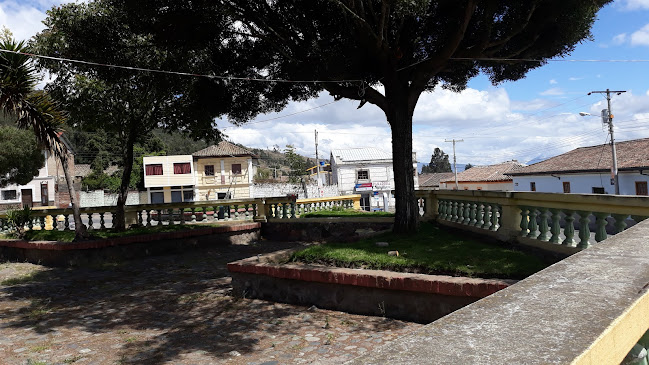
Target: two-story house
(368, 172)
(222, 171)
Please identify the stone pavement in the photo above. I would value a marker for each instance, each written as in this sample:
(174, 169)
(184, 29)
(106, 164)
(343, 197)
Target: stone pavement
(173, 309)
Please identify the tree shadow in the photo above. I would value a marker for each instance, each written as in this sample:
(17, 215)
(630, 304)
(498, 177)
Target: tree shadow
(183, 302)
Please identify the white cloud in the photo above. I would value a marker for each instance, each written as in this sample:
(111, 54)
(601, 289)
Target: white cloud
(635, 4)
(620, 39)
(575, 78)
(555, 91)
(553, 82)
(23, 21)
(640, 37)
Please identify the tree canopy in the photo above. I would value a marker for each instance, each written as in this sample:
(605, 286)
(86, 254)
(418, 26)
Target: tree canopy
(380, 52)
(438, 162)
(21, 157)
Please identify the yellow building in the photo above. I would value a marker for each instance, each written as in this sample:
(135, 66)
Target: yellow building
(222, 171)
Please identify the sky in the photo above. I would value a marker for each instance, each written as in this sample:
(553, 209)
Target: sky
(526, 120)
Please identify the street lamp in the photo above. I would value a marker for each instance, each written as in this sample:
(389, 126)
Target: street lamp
(607, 118)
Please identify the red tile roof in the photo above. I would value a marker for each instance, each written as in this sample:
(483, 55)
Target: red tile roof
(631, 155)
(432, 180)
(499, 172)
(223, 149)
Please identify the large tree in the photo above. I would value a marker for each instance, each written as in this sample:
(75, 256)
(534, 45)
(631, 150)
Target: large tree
(438, 162)
(21, 157)
(128, 104)
(382, 52)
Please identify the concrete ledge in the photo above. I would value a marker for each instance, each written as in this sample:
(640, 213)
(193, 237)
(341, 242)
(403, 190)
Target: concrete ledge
(342, 229)
(590, 308)
(415, 297)
(97, 251)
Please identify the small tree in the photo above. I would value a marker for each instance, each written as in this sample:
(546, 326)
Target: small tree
(21, 158)
(297, 163)
(467, 166)
(438, 162)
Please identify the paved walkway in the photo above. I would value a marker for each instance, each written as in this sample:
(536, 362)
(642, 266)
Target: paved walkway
(173, 309)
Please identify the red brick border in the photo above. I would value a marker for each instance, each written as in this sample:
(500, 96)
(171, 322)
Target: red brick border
(85, 245)
(433, 284)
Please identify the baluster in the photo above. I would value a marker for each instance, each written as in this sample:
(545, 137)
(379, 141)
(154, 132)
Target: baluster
(148, 217)
(102, 222)
(140, 221)
(159, 216)
(254, 209)
(66, 224)
(620, 224)
(276, 215)
(545, 234)
(292, 210)
(584, 229)
(460, 212)
(193, 215)
(494, 218)
(555, 227)
(440, 209)
(236, 212)
(42, 223)
(284, 211)
(479, 215)
(229, 212)
(525, 220)
(472, 214)
(600, 222)
(487, 216)
(533, 226)
(170, 213)
(90, 223)
(246, 214)
(204, 217)
(448, 210)
(467, 213)
(569, 230)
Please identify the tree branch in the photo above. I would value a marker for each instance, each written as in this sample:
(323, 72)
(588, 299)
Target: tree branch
(352, 92)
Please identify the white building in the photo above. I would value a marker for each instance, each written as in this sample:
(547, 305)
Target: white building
(587, 170)
(368, 172)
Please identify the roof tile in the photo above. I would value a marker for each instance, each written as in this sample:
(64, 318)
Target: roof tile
(224, 148)
(499, 172)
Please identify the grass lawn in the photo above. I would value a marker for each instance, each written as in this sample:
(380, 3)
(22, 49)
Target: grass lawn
(431, 251)
(68, 236)
(346, 213)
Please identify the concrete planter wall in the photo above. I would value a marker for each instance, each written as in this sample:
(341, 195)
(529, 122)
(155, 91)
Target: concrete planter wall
(325, 229)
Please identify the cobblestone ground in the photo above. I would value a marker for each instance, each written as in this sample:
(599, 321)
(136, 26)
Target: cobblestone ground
(174, 309)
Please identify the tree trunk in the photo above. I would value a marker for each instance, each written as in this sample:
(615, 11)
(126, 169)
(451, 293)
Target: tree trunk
(399, 117)
(80, 232)
(119, 221)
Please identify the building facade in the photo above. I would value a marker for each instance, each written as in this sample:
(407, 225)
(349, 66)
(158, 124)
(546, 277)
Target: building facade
(368, 172)
(587, 170)
(223, 171)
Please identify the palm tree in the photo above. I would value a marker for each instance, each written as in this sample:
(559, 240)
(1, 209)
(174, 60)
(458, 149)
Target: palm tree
(36, 110)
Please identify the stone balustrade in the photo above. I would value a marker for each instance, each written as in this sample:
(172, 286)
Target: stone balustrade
(149, 215)
(571, 221)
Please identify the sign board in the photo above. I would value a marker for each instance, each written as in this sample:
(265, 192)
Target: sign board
(364, 187)
(381, 185)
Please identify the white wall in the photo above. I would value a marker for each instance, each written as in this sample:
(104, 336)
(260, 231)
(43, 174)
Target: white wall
(98, 198)
(282, 189)
(580, 183)
(381, 173)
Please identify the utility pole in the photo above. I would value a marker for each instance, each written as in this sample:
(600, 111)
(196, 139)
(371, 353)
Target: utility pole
(454, 160)
(317, 161)
(610, 130)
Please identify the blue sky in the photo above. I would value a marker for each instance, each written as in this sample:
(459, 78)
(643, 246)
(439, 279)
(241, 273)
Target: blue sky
(528, 119)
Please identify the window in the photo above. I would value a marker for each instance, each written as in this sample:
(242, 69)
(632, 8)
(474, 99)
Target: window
(153, 169)
(188, 196)
(532, 186)
(362, 175)
(157, 198)
(566, 187)
(209, 170)
(641, 188)
(598, 190)
(9, 195)
(182, 168)
(236, 169)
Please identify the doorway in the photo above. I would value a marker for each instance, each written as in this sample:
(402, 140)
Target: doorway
(45, 198)
(26, 197)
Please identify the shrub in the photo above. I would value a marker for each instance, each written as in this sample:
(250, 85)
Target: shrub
(18, 219)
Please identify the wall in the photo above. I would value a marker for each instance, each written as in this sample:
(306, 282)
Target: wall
(485, 185)
(168, 178)
(580, 183)
(99, 198)
(283, 189)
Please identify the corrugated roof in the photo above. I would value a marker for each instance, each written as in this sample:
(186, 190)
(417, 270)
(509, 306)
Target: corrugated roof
(432, 180)
(499, 172)
(633, 154)
(223, 149)
(361, 154)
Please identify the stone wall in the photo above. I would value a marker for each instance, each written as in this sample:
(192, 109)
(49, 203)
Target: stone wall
(99, 198)
(282, 189)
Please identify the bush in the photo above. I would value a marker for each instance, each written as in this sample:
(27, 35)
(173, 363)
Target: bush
(18, 219)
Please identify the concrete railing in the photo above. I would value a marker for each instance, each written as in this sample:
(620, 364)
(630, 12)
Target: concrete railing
(569, 222)
(590, 308)
(148, 215)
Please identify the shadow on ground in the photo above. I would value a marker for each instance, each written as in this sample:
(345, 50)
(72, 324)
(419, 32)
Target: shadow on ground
(182, 302)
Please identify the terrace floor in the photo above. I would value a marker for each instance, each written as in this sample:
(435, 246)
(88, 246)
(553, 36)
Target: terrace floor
(170, 309)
